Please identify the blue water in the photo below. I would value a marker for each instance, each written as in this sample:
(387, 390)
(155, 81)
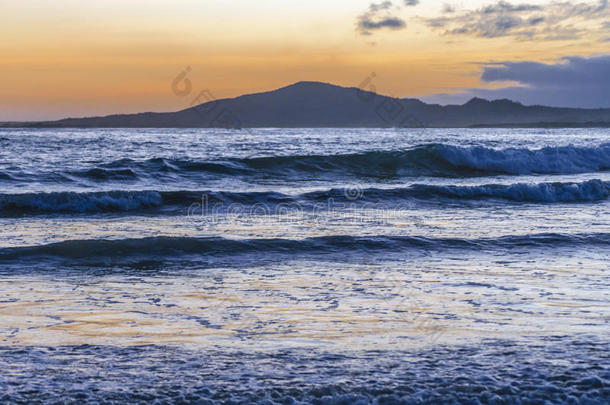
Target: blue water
(305, 266)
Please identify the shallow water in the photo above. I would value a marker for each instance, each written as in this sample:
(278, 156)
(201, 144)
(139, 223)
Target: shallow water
(313, 266)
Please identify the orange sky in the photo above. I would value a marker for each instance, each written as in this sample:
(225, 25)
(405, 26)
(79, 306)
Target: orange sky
(77, 58)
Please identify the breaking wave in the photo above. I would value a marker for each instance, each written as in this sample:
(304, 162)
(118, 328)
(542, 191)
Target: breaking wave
(434, 160)
(588, 191)
(430, 160)
(178, 201)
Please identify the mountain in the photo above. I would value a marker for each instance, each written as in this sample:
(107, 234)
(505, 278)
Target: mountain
(316, 105)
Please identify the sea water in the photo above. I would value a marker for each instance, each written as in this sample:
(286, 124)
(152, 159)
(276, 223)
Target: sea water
(305, 265)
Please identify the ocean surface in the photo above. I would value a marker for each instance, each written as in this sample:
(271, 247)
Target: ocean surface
(289, 266)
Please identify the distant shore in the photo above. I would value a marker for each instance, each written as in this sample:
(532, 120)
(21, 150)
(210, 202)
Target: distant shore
(323, 105)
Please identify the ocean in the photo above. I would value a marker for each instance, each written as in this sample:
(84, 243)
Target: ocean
(298, 266)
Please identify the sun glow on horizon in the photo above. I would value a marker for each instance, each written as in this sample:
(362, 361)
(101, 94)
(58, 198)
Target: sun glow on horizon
(74, 58)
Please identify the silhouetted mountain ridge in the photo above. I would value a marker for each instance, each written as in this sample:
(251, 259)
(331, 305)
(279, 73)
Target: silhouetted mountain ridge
(315, 105)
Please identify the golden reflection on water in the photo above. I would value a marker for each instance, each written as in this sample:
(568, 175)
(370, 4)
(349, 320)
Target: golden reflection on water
(364, 306)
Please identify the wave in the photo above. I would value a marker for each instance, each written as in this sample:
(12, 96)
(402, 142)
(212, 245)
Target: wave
(588, 191)
(72, 202)
(176, 201)
(436, 160)
(100, 173)
(592, 190)
(130, 201)
(431, 160)
(178, 247)
(549, 160)
(5, 176)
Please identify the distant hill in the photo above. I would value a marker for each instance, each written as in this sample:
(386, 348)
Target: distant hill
(317, 105)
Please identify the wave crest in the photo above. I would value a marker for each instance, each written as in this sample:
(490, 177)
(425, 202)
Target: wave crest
(549, 160)
(592, 190)
(79, 202)
(176, 247)
(435, 160)
(129, 201)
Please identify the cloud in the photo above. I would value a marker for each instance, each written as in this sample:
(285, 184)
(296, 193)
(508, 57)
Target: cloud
(378, 17)
(410, 3)
(571, 82)
(557, 20)
(389, 22)
(448, 9)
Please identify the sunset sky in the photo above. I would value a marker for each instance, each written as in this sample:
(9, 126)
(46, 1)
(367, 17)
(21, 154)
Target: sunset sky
(79, 58)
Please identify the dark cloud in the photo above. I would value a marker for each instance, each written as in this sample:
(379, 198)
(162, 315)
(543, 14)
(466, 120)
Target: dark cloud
(524, 21)
(410, 3)
(389, 22)
(378, 17)
(571, 82)
(570, 70)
